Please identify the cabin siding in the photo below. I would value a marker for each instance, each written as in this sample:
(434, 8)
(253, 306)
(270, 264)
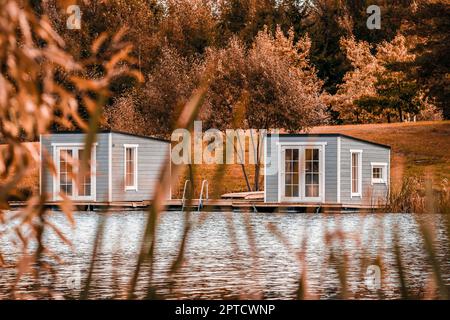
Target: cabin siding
(272, 152)
(101, 154)
(152, 154)
(372, 194)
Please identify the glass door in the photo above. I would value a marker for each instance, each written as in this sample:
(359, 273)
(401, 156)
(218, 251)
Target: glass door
(68, 180)
(291, 174)
(312, 174)
(66, 172)
(84, 186)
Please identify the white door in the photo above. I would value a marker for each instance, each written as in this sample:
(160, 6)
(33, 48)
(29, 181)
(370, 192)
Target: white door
(290, 174)
(313, 174)
(68, 159)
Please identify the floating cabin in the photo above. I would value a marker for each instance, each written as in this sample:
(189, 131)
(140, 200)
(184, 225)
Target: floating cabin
(124, 168)
(325, 170)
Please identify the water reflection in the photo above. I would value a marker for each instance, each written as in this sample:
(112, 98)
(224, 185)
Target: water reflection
(223, 262)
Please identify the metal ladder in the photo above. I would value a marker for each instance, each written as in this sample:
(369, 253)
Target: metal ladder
(205, 188)
(183, 200)
(200, 201)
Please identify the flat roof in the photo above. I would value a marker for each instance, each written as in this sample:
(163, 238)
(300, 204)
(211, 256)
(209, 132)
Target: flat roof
(112, 131)
(328, 135)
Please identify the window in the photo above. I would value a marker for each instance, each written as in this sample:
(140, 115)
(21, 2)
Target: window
(356, 172)
(379, 172)
(130, 167)
(65, 172)
(84, 188)
(291, 173)
(312, 173)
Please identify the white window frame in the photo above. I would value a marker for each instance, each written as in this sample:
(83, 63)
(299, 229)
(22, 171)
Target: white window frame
(57, 147)
(359, 193)
(135, 151)
(383, 166)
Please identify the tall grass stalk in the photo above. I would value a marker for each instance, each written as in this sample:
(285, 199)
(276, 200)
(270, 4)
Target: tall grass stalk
(167, 178)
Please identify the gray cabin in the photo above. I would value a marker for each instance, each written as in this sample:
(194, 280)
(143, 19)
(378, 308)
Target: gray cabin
(123, 167)
(326, 169)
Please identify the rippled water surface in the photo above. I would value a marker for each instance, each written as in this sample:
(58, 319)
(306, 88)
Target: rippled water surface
(239, 255)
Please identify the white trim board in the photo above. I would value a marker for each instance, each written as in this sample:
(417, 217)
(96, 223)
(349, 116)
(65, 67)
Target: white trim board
(389, 175)
(170, 171)
(71, 144)
(265, 167)
(110, 167)
(41, 165)
(378, 164)
(304, 143)
(338, 173)
(279, 171)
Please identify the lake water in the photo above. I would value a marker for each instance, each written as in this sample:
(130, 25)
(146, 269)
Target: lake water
(240, 255)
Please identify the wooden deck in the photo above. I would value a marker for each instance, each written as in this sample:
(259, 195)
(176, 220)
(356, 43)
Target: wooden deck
(215, 205)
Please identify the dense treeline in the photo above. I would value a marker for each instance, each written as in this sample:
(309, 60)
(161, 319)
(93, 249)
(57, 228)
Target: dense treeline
(275, 63)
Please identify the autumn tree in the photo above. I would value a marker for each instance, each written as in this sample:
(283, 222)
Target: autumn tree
(395, 94)
(194, 27)
(232, 19)
(270, 85)
(244, 19)
(167, 87)
(427, 26)
(358, 82)
(123, 115)
(141, 19)
(328, 21)
(377, 88)
(188, 26)
(136, 21)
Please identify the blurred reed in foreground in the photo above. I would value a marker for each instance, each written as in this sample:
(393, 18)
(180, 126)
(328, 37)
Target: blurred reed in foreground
(41, 86)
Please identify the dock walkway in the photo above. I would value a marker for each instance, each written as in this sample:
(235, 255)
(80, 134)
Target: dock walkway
(212, 205)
